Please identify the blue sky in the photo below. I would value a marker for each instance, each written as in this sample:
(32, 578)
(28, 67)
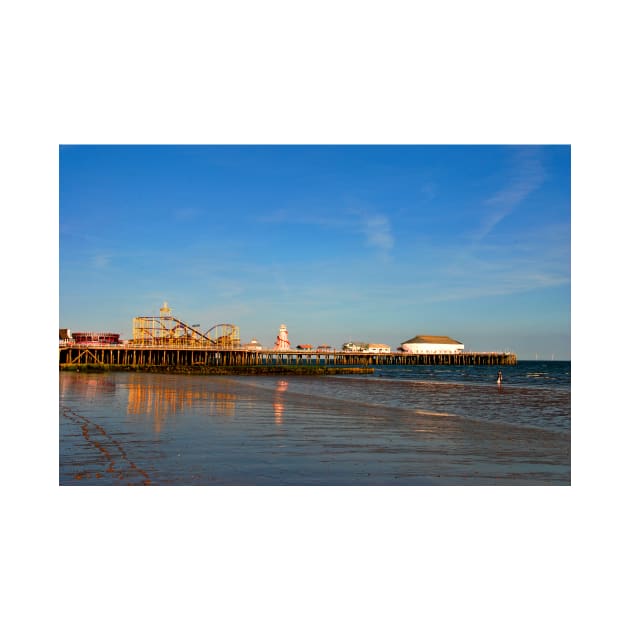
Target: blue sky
(365, 243)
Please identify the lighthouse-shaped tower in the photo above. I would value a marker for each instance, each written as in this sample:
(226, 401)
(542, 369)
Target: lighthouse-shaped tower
(282, 340)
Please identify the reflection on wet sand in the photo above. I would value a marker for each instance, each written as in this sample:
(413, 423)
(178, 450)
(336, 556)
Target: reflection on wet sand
(161, 401)
(89, 387)
(278, 404)
(172, 430)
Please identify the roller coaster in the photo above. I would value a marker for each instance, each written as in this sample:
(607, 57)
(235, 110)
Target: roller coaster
(170, 332)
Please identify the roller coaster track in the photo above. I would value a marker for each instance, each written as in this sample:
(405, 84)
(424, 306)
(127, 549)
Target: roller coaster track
(224, 335)
(167, 330)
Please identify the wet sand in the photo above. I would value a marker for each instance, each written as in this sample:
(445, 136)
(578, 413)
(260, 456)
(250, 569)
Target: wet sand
(146, 429)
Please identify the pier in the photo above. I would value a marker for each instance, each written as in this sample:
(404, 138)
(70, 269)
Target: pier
(188, 356)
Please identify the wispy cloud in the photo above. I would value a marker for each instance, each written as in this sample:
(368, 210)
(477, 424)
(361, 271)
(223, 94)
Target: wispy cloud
(539, 259)
(377, 231)
(527, 175)
(374, 227)
(101, 261)
(497, 284)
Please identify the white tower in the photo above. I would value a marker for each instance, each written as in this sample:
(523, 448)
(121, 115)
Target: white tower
(165, 311)
(282, 340)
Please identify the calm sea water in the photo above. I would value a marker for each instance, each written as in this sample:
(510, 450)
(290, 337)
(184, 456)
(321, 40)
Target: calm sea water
(549, 374)
(533, 393)
(419, 425)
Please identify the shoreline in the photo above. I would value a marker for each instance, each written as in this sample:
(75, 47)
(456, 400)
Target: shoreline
(225, 370)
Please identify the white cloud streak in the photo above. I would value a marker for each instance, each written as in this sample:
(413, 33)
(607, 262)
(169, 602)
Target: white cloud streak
(374, 227)
(528, 176)
(377, 231)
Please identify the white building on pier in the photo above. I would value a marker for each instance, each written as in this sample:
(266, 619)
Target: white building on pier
(432, 344)
(372, 348)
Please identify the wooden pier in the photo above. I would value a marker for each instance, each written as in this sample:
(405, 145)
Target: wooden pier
(181, 356)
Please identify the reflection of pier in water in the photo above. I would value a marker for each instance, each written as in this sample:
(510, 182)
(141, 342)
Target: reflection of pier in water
(88, 386)
(160, 402)
(278, 404)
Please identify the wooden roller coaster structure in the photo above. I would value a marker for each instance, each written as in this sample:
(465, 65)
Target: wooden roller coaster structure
(167, 331)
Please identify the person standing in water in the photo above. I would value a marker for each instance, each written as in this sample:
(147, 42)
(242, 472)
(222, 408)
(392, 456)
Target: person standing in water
(499, 377)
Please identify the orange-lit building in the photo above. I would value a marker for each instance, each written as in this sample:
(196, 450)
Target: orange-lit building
(96, 337)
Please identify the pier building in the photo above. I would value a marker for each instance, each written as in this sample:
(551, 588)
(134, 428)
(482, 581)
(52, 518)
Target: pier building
(93, 337)
(431, 344)
(254, 344)
(360, 346)
(379, 348)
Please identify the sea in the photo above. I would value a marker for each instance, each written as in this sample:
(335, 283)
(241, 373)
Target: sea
(401, 425)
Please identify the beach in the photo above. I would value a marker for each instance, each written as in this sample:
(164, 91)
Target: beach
(165, 429)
